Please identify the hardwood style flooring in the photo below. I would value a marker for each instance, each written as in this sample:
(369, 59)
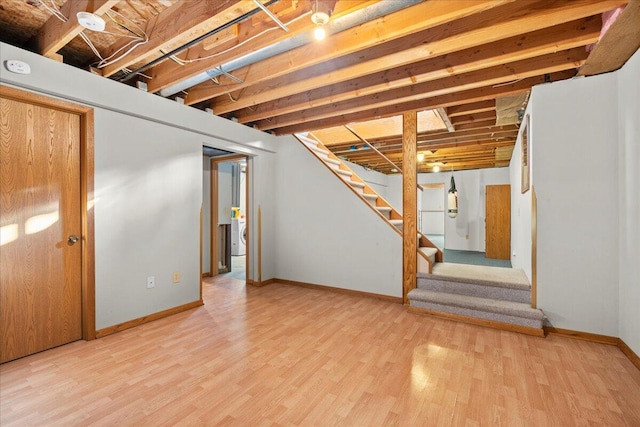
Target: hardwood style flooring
(286, 356)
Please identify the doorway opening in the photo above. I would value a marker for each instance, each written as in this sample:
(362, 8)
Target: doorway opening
(225, 214)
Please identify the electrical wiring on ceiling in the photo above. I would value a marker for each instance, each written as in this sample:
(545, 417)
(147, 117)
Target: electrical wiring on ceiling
(139, 37)
(203, 58)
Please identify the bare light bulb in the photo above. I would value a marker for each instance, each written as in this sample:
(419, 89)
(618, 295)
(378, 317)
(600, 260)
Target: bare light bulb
(421, 157)
(436, 168)
(319, 33)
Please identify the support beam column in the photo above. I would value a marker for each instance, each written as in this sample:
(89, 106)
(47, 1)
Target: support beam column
(409, 203)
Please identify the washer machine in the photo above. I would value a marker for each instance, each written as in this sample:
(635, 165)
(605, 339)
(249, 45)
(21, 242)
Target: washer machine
(238, 237)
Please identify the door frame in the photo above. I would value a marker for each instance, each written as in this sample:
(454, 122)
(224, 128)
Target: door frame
(214, 212)
(88, 288)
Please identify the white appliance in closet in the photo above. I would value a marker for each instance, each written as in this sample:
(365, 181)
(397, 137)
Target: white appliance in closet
(238, 237)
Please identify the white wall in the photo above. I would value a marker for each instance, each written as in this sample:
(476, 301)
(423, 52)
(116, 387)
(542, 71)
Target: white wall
(325, 234)
(471, 203)
(148, 184)
(224, 192)
(629, 202)
(575, 158)
(148, 189)
(520, 208)
(206, 214)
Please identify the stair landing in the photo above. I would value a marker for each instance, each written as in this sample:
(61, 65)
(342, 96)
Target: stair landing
(489, 296)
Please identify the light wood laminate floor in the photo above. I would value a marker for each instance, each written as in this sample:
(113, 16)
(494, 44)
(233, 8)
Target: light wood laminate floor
(283, 355)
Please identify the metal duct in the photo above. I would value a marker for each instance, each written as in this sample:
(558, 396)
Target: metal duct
(334, 26)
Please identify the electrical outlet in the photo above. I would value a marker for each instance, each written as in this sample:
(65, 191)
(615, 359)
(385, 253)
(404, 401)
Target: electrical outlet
(151, 282)
(176, 277)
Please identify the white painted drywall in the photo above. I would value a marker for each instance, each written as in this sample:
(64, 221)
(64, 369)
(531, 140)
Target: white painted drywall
(629, 201)
(262, 186)
(471, 203)
(206, 214)
(574, 149)
(148, 184)
(148, 189)
(224, 193)
(520, 208)
(325, 234)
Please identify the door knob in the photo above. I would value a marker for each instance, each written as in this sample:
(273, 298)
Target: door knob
(73, 239)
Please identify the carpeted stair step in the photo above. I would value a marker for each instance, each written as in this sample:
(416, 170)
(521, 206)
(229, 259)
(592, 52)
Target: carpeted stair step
(320, 152)
(333, 163)
(385, 211)
(514, 313)
(307, 140)
(344, 174)
(506, 284)
(371, 198)
(429, 253)
(358, 186)
(397, 223)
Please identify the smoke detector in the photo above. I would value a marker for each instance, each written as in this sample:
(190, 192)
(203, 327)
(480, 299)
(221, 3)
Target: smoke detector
(91, 21)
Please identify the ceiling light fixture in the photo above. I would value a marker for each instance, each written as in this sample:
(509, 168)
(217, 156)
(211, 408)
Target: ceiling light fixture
(436, 168)
(91, 21)
(320, 17)
(421, 157)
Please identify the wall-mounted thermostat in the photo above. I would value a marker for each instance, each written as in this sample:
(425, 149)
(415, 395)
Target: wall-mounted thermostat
(18, 67)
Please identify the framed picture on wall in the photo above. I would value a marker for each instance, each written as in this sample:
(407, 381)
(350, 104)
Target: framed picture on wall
(525, 156)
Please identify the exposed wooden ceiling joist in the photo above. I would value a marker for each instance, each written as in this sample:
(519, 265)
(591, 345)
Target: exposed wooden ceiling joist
(298, 91)
(475, 107)
(179, 23)
(405, 22)
(497, 75)
(467, 96)
(455, 57)
(513, 49)
(55, 33)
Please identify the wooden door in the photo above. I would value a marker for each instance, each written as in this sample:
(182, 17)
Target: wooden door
(498, 221)
(40, 208)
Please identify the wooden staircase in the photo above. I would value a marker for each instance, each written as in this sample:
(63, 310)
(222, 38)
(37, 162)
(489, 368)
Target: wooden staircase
(487, 296)
(428, 253)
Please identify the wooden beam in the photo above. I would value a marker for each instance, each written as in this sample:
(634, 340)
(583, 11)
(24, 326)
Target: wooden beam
(617, 45)
(480, 94)
(396, 25)
(442, 112)
(431, 136)
(297, 91)
(474, 107)
(409, 203)
(179, 23)
(474, 118)
(475, 125)
(55, 34)
(169, 73)
(497, 75)
(439, 149)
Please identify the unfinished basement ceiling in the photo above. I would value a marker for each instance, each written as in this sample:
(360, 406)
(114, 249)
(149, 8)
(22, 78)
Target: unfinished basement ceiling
(455, 62)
